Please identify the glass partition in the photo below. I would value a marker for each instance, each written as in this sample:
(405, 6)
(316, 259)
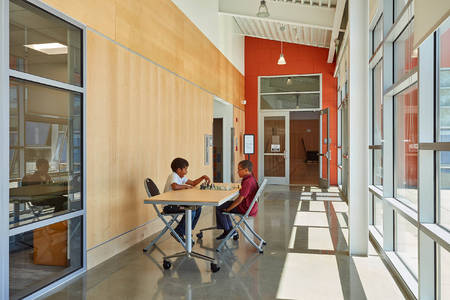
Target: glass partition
(45, 155)
(39, 257)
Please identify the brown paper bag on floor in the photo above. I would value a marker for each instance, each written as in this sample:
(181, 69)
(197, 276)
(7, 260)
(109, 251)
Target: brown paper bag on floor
(50, 245)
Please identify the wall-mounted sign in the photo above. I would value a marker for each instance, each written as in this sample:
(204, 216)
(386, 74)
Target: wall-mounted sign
(208, 144)
(275, 148)
(249, 144)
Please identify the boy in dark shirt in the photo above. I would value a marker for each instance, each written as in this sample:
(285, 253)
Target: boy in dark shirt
(249, 187)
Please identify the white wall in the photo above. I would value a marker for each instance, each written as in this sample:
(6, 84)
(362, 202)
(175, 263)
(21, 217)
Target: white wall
(222, 31)
(225, 111)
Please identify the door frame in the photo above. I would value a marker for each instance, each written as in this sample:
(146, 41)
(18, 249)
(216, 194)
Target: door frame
(324, 181)
(275, 113)
(261, 129)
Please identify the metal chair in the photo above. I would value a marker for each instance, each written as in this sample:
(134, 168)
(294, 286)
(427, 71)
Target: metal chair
(243, 221)
(152, 190)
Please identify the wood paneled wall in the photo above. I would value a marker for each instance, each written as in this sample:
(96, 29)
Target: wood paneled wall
(151, 77)
(139, 117)
(159, 31)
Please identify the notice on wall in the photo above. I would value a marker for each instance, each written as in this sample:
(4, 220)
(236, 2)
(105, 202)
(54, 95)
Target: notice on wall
(275, 148)
(249, 144)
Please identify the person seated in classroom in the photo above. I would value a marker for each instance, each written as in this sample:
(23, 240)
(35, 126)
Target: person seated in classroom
(41, 176)
(178, 180)
(249, 188)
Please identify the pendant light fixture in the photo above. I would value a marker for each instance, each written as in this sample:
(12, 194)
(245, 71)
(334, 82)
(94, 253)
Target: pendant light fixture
(281, 60)
(263, 12)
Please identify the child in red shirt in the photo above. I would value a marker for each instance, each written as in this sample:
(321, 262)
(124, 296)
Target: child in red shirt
(249, 187)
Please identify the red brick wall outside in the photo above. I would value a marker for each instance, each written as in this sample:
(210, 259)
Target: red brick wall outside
(261, 58)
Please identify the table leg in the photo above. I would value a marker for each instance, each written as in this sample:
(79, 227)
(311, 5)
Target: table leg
(188, 229)
(16, 212)
(188, 246)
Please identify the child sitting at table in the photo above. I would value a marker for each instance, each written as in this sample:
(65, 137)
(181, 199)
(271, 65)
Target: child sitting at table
(249, 187)
(178, 180)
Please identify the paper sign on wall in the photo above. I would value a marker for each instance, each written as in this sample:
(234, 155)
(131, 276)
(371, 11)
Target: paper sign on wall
(249, 144)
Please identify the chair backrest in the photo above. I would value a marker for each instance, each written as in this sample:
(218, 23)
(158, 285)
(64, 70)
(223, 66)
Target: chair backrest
(151, 188)
(256, 198)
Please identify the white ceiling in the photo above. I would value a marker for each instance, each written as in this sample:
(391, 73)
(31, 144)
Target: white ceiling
(308, 22)
(296, 34)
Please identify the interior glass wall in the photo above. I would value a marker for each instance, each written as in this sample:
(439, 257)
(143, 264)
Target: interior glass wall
(46, 94)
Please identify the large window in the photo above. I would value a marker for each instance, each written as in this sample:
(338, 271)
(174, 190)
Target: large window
(377, 34)
(405, 58)
(377, 126)
(406, 243)
(399, 5)
(46, 95)
(293, 92)
(443, 273)
(43, 45)
(378, 214)
(411, 120)
(443, 117)
(406, 146)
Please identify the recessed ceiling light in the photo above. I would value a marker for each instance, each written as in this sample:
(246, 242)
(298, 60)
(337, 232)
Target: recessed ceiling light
(49, 48)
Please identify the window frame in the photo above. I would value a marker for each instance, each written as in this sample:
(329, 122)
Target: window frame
(5, 75)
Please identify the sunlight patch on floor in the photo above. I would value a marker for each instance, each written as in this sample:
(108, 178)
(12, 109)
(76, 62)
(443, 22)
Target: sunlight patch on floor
(310, 218)
(340, 207)
(316, 206)
(319, 239)
(309, 276)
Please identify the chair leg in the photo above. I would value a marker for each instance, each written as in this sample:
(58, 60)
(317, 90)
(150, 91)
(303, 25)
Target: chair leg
(168, 227)
(254, 232)
(229, 235)
(156, 239)
(251, 240)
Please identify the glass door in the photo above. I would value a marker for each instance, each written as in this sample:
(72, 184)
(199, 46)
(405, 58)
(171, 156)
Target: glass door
(324, 180)
(275, 147)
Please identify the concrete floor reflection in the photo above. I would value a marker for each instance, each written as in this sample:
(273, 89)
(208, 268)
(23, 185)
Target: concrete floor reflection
(306, 258)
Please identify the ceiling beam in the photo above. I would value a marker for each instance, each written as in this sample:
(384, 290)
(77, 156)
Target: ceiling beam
(283, 12)
(340, 6)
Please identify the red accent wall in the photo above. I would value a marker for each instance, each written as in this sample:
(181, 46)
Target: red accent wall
(261, 58)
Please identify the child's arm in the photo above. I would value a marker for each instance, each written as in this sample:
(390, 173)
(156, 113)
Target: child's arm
(176, 186)
(234, 204)
(198, 180)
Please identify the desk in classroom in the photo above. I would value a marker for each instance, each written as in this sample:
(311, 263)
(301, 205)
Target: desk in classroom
(34, 194)
(191, 198)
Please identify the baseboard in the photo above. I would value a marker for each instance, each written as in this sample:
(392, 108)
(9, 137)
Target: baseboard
(122, 242)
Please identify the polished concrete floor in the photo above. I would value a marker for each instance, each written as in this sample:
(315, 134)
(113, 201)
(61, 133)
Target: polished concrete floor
(306, 258)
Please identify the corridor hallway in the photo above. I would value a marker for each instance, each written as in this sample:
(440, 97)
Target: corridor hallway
(306, 258)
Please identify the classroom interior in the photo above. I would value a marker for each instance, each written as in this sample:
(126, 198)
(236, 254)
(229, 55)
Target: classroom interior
(342, 106)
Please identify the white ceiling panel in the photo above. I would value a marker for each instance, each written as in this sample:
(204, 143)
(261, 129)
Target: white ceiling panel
(272, 30)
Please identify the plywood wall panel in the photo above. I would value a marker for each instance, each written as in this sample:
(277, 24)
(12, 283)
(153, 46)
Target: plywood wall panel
(139, 117)
(159, 31)
(97, 14)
